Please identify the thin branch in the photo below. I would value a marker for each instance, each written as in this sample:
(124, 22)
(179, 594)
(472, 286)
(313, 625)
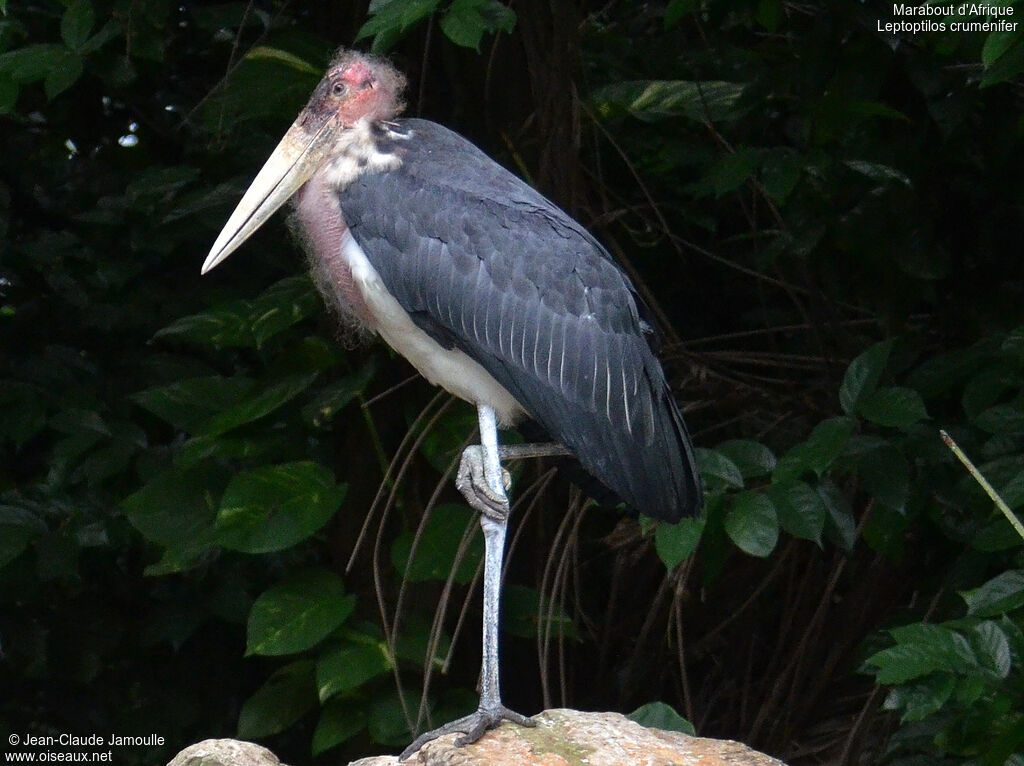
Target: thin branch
(1000, 503)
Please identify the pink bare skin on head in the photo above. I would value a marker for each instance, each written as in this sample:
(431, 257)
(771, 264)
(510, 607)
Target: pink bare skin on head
(359, 74)
(356, 86)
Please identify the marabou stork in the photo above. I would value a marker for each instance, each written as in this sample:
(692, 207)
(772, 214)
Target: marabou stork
(490, 291)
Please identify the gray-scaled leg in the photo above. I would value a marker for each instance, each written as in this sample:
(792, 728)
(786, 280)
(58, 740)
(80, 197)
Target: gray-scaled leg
(483, 482)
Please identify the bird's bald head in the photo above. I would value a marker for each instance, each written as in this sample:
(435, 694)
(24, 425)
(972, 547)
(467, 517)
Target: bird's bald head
(356, 86)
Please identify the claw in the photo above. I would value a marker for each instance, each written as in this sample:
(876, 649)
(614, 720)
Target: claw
(472, 483)
(472, 727)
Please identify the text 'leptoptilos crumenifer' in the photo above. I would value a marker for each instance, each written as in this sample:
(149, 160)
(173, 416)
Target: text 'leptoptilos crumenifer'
(490, 290)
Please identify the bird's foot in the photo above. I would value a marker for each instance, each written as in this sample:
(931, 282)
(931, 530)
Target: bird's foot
(472, 727)
(472, 483)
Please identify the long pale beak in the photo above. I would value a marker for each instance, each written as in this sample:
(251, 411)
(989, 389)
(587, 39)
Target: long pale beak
(295, 159)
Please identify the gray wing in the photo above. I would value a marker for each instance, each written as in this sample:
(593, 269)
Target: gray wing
(484, 263)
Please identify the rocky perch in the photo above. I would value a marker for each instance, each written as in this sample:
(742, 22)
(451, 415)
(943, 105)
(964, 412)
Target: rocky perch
(561, 738)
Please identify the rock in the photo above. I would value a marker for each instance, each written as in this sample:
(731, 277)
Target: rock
(573, 738)
(561, 738)
(225, 752)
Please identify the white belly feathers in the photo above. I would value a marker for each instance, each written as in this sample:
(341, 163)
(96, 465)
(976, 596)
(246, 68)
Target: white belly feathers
(449, 368)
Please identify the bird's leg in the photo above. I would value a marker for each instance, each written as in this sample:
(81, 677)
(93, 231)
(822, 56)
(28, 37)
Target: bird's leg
(483, 482)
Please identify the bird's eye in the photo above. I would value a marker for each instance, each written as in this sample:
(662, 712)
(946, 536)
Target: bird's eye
(338, 89)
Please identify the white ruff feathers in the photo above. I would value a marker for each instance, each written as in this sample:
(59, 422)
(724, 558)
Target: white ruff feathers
(357, 154)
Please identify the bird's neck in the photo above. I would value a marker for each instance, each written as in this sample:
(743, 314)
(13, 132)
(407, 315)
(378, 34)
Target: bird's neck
(318, 221)
(319, 225)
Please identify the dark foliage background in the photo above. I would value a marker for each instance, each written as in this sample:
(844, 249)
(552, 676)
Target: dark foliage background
(219, 515)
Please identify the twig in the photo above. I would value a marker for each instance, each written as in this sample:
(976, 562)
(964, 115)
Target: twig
(1000, 503)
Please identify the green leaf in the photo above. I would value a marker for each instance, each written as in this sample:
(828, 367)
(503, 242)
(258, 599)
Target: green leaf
(77, 23)
(283, 305)
(862, 376)
(1007, 66)
(885, 475)
(111, 29)
(340, 720)
(24, 411)
(752, 524)
(312, 354)
(730, 171)
(677, 10)
(818, 452)
(347, 667)
(841, 526)
(274, 507)
(283, 90)
(335, 397)
(992, 648)
(988, 387)
(716, 466)
(57, 557)
(225, 326)
(919, 699)
(466, 21)
(77, 421)
(651, 100)
(676, 542)
(525, 614)
(392, 18)
(18, 528)
(1002, 419)
(248, 323)
(9, 92)
(893, 407)
(230, 447)
(1010, 488)
(996, 535)
(153, 187)
(1013, 343)
(287, 695)
(497, 17)
(444, 442)
(437, 548)
(270, 53)
(780, 173)
(753, 459)
(260, 405)
(769, 14)
(297, 614)
(177, 508)
(800, 509)
(63, 76)
(189, 404)
(921, 649)
(31, 63)
(658, 715)
(941, 637)
(418, 637)
(940, 374)
(886, 532)
(460, 24)
(13, 542)
(878, 172)
(996, 44)
(1000, 595)
(387, 722)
